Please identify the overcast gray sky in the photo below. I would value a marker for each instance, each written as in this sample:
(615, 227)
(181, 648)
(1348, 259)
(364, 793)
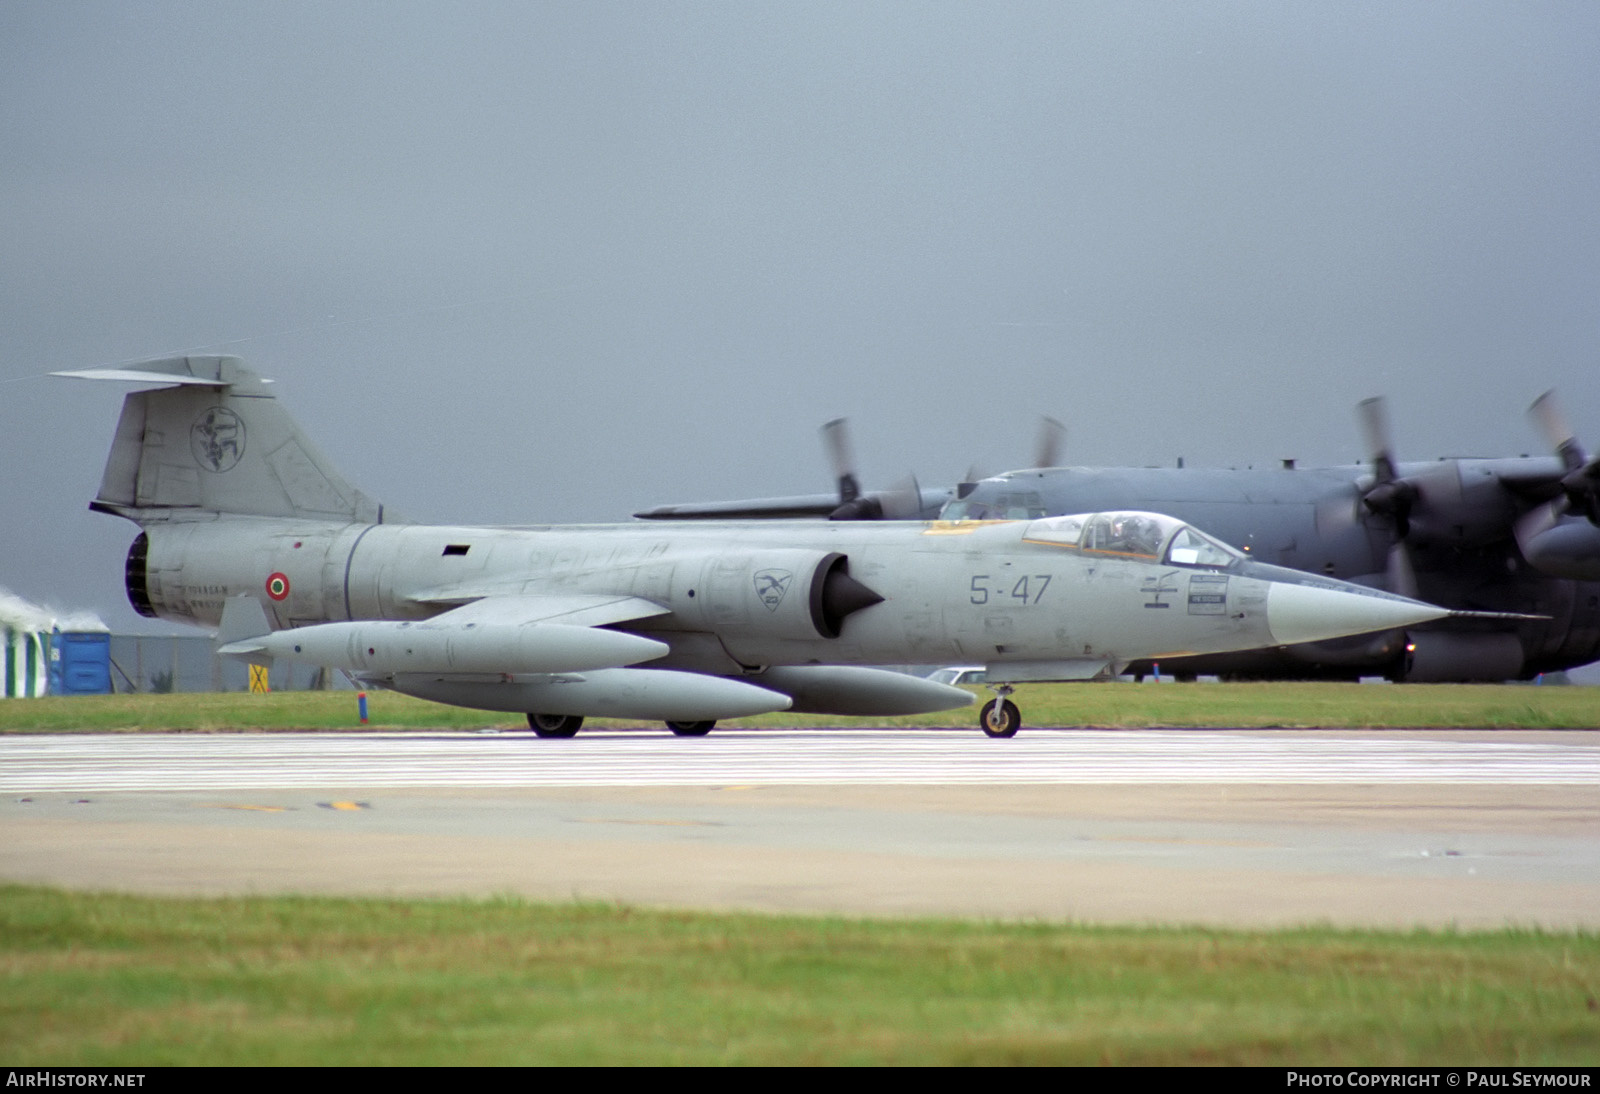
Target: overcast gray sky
(517, 262)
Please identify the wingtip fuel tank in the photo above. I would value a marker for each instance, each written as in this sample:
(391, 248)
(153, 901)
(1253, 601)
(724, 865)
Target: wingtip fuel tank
(388, 647)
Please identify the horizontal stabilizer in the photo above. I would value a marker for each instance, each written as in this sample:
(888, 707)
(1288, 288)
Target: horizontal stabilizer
(201, 371)
(138, 376)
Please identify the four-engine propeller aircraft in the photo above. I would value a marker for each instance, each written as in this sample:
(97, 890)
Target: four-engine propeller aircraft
(247, 527)
(1517, 536)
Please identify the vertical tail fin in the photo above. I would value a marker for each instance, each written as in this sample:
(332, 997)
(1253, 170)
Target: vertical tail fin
(217, 441)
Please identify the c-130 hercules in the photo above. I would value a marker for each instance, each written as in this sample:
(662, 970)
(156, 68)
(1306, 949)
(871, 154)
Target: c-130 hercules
(247, 527)
(1517, 538)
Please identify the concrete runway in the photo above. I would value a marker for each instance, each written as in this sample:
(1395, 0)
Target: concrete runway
(1222, 827)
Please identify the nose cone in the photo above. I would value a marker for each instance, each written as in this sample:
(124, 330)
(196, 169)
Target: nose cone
(1313, 613)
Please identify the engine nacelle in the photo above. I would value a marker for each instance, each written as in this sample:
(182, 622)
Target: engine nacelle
(782, 594)
(1570, 548)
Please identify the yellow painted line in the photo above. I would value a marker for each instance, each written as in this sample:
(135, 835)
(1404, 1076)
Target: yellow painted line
(959, 527)
(348, 807)
(248, 808)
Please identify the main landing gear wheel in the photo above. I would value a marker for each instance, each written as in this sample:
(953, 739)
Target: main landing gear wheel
(555, 725)
(691, 729)
(1000, 718)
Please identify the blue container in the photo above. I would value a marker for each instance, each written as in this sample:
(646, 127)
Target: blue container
(80, 663)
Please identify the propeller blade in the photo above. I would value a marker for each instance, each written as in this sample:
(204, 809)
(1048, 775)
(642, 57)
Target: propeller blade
(836, 439)
(1047, 449)
(1336, 512)
(969, 480)
(1402, 574)
(1581, 483)
(902, 501)
(1558, 433)
(1389, 496)
(1375, 424)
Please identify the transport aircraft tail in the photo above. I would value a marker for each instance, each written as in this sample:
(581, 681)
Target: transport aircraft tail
(216, 441)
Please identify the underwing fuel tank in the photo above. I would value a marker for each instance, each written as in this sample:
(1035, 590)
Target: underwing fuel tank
(852, 690)
(607, 693)
(386, 647)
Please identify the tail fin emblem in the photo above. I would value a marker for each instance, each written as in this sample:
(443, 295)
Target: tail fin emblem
(217, 439)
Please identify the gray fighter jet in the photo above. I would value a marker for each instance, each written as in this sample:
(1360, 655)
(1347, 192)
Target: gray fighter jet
(1518, 536)
(248, 528)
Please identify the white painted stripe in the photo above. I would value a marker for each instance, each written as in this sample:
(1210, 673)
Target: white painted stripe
(774, 757)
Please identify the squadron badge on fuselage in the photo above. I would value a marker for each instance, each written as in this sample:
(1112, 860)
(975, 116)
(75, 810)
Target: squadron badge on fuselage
(771, 585)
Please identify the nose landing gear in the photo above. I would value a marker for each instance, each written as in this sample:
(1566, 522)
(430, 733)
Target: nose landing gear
(1000, 716)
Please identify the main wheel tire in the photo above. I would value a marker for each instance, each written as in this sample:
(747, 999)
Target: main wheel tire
(691, 729)
(555, 725)
(1000, 718)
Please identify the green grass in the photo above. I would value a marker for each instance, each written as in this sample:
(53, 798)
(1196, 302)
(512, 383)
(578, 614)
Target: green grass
(117, 980)
(1115, 704)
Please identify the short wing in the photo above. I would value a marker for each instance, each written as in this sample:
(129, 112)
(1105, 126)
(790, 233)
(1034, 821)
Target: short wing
(574, 610)
(498, 636)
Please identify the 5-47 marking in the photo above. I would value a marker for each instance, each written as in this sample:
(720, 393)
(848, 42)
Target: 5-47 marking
(1027, 590)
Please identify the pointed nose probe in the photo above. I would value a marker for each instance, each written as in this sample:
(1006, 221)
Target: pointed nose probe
(1311, 613)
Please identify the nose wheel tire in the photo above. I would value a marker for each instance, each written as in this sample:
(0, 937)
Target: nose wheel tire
(1000, 718)
(691, 729)
(555, 725)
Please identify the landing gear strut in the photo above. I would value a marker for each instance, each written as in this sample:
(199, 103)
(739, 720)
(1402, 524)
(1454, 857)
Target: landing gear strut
(691, 729)
(555, 725)
(1000, 716)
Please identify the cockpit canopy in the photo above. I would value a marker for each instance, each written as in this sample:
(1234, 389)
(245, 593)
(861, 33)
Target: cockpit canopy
(1132, 534)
